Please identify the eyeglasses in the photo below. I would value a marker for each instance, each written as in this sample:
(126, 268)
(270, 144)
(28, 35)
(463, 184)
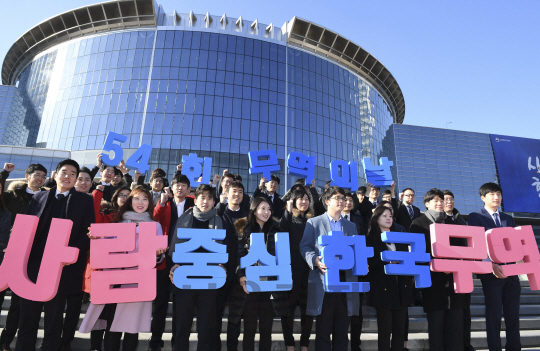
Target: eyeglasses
(123, 196)
(338, 199)
(448, 200)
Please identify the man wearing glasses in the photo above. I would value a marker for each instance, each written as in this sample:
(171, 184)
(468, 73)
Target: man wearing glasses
(407, 212)
(333, 311)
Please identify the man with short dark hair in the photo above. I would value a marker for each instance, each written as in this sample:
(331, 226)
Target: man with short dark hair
(200, 301)
(17, 198)
(498, 288)
(167, 213)
(62, 201)
(407, 212)
(268, 188)
(369, 203)
(333, 311)
(157, 182)
(229, 211)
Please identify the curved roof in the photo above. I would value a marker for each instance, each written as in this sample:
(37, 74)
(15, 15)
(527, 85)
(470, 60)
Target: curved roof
(323, 41)
(120, 14)
(90, 19)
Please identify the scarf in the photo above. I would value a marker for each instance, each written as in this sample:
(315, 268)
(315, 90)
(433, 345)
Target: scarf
(186, 219)
(134, 217)
(435, 216)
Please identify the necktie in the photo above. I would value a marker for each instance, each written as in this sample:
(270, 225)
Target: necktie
(411, 212)
(346, 216)
(60, 196)
(496, 217)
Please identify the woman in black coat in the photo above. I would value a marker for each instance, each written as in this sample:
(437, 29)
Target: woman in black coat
(389, 294)
(261, 306)
(443, 306)
(294, 221)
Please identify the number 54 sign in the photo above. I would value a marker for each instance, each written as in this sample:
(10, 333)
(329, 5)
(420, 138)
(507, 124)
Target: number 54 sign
(139, 160)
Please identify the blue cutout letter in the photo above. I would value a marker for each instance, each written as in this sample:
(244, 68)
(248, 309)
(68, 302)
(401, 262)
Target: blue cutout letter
(111, 146)
(301, 165)
(343, 174)
(193, 169)
(342, 253)
(194, 271)
(263, 166)
(279, 266)
(378, 175)
(407, 260)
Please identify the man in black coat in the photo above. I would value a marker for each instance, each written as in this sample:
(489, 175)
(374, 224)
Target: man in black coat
(63, 202)
(229, 213)
(407, 212)
(269, 189)
(367, 206)
(174, 208)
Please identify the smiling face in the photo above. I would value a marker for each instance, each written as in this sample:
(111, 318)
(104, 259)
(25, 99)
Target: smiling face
(66, 177)
(116, 179)
(205, 201)
(140, 202)
(107, 174)
(492, 200)
(157, 184)
(235, 195)
(448, 203)
(302, 204)
(435, 204)
(385, 220)
(180, 190)
(272, 186)
(84, 182)
(263, 212)
(36, 179)
(349, 204)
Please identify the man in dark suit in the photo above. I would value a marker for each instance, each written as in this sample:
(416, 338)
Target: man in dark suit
(369, 203)
(174, 208)
(269, 189)
(407, 212)
(498, 288)
(62, 201)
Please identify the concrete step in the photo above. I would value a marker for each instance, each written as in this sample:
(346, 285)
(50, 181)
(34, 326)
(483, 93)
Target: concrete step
(530, 339)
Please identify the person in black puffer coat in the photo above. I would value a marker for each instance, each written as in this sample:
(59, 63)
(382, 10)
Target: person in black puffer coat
(389, 294)
(256, 305)
(294, 220)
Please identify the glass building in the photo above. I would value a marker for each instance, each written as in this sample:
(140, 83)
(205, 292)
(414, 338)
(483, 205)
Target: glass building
(188, 83)
(12, 116)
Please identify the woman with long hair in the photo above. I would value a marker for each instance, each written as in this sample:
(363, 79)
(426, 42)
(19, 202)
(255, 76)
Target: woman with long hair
(253, 306)
(128, 318)
(294, 221)
(389, 294)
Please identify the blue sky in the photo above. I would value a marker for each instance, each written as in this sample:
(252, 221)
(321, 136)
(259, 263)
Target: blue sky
(473, 63)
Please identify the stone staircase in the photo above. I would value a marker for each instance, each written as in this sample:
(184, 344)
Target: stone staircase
(418, 337)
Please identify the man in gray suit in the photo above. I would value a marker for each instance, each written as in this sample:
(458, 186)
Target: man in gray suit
(333, 311)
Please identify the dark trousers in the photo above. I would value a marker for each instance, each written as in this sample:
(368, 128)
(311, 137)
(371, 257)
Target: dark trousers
(333, 322)
(113, 340)
(297, 297)
(356, 327)
(391, 324)
(258, 307)
(187, 302)
(221, 302)
(71, 320)
(96, 339)
(233, 333)
(161, 303)
(12, 319)
(29, 323)
(467, 325)
(445, 330)
(502, 298)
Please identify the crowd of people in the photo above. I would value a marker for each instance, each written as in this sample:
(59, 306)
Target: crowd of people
(71, 193)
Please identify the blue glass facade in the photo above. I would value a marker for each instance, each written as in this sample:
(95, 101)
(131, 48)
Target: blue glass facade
(12, 114)
(428, 158)
(217, 95)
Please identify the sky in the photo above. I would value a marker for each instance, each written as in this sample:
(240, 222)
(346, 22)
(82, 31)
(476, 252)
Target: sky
(464, 65)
